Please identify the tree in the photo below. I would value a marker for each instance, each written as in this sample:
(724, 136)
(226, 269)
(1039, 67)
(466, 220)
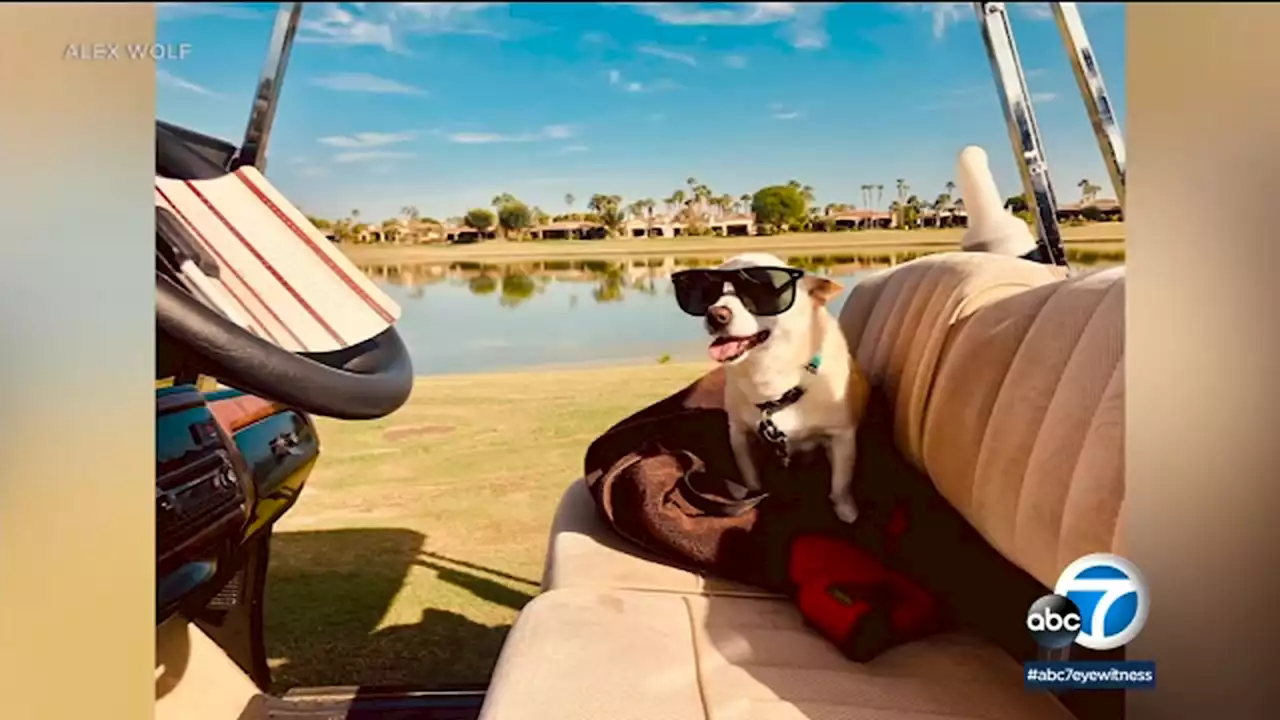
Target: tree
(879, 195)
(607, 209)
(951, 188)
(517, 287)
(514, 216)
(479, 219)
(568, 200)
(778, 206)
(410, 213)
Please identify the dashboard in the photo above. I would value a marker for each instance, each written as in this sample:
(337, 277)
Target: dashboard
(228, 466)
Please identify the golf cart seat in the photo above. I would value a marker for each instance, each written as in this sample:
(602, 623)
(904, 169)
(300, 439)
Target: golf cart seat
(1007, 386)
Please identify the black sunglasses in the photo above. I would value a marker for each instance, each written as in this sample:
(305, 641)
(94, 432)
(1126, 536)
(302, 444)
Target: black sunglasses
(763, 291)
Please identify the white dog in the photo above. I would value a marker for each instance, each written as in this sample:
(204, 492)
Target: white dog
(790, 379)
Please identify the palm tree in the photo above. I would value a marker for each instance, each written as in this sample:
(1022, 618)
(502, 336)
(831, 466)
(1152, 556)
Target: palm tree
(951, 188)
(903, 187)
(676, 200)
(568, 200)
(879, 195)
(745, 199)
(648, 204)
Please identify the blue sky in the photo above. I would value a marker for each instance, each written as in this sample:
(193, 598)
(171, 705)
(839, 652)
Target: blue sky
(445, 105)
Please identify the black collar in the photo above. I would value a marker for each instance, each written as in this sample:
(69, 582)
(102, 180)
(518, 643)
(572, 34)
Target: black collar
(792, 396)
(767, 430)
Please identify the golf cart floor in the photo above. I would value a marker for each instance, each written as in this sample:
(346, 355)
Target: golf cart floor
(352, 703)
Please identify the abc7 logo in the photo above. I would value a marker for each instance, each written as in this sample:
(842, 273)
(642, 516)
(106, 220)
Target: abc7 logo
(1054, 621)
(1099, 602)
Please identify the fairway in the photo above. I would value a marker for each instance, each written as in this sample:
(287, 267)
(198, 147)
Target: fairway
(420, 535)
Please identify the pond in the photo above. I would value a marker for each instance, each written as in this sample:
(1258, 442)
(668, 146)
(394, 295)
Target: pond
(464, 317)
(476, 317)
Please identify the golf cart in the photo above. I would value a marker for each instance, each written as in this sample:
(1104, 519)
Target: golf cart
(618, 633)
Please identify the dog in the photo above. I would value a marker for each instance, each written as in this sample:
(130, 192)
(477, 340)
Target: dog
(790, 380)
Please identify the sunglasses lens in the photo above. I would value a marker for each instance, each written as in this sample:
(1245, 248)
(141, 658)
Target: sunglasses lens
(696, 291)
(765, 291)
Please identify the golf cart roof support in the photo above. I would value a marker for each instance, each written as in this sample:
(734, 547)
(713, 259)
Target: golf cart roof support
(253, 151)
(1096, 101)
(1024, 133)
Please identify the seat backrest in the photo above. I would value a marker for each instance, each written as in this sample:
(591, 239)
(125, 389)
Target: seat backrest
(1007, 383)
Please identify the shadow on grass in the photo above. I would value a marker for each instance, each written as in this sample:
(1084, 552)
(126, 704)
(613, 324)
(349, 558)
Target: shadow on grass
(328, 591)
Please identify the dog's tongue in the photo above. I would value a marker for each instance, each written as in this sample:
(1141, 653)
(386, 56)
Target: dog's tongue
(726, 348)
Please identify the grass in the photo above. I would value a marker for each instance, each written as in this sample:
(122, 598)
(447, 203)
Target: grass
(420, 535)
(1108, 236)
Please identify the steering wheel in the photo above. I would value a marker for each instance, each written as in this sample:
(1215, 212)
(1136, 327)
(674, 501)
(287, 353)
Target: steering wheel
(368, 380)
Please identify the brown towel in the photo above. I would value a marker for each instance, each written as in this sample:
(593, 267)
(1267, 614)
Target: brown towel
(664, 479)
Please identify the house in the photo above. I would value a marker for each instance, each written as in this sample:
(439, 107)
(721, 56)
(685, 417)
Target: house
(658, 226)
(569, 230)
(739, 225)
(463, 235)
(950, 216)
(1101, 209)
(861, 219)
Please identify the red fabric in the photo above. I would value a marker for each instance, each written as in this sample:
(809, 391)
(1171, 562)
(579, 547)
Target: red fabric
(839, 588)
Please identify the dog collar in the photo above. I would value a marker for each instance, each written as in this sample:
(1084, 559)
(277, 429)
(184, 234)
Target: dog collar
(793, 395)
(767, 429)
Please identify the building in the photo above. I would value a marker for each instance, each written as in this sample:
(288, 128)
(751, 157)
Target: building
(569, 230)
(1104, 209)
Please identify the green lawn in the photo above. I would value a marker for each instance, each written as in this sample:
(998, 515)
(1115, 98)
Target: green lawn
(420, 535)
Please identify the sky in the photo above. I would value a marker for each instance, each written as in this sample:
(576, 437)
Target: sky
(443, 106)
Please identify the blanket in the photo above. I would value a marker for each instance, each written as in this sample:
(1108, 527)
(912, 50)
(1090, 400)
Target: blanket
(665, 478)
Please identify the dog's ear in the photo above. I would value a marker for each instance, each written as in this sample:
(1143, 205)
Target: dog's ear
(822, 289)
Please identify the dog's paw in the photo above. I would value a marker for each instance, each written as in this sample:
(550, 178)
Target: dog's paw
(845, 509)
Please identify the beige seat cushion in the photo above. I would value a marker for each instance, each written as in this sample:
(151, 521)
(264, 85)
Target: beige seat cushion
(624, 655)
(585, 552)
(1008, 390)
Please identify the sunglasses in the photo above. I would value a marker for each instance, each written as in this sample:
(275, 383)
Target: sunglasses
(763, 291)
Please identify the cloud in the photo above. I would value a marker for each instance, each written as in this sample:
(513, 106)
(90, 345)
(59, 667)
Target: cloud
(313, 171)
(802, 25)
(365, 83)
(366, 139)
(635, 86)
(737, 62)
(548, 132)
(1043, 97)
(558, 132)
(369, 155)
(574, 148)
(666, 54)
(385, 25)
(1036, 11)
(596, 38)
(164, 78)
(780, 112)
(167, 11)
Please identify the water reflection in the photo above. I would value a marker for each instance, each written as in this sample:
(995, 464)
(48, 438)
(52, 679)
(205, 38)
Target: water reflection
(457, 317)
(611, 280)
